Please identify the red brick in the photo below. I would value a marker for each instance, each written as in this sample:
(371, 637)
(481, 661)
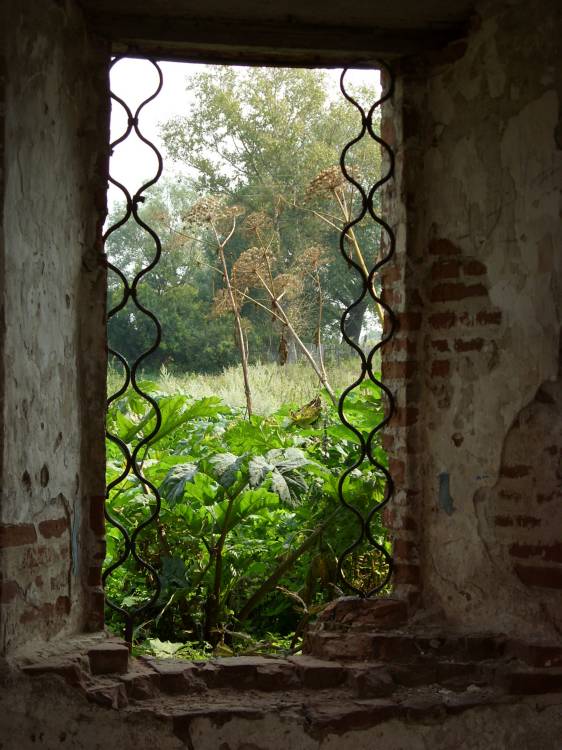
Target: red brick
(94, 576)
(440, 345)
(391, 297)
(394, 519)
(548, 552)
(390, 274)
(544, 577)
(404, 573)
(442, 320)
(474, 268)
(53, 528)
(109, 658)
(404, 549)
(409, 321)
(96, 614)
(452, 292)
(8, 591)
(397, 470)
(536, 654)
(448, 269)
(527, 682)
(47, 611)
(97, 517)
(503, 521)
(364, 614)
(479, 319)
(443, 247)
(409, 523)
(387, 442)
(484, 317)
(528, 522)
(99, 553)
(398, 369)
(510, 495)
(415, 299)
(399, 345)
(468, 345)
(440, 368)
(17, 535)
(515, 472)
(405, 416)
(547, 498)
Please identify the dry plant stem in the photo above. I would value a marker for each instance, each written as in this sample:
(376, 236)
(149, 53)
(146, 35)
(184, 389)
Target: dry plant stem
(350, 237)
(281, 314)
(237, 320)
(319, 325)
(351, 234)
(213, 602)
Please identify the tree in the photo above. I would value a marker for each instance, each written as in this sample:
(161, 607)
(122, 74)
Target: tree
(259, 136)
(178, 290)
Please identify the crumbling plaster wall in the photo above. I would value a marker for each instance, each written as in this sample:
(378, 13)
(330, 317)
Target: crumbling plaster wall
(479, 166)
(53, 350)
(49, 714)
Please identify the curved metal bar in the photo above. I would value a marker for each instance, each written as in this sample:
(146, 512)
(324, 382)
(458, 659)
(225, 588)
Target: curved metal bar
(366, 359)
(132, 464)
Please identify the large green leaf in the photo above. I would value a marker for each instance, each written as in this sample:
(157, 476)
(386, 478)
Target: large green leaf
(175, 481)
(227, 467)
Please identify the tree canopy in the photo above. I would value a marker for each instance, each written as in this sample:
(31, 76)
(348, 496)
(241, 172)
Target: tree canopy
(258, 138)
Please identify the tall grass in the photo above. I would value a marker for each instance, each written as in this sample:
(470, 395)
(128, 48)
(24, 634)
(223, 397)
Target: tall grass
(272, 385)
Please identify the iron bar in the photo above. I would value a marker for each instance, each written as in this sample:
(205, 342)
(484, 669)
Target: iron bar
(366, 359)
(132, 464)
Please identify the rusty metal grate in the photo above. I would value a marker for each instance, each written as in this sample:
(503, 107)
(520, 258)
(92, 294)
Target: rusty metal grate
(132, 461)
(132, 458)
(368, 277)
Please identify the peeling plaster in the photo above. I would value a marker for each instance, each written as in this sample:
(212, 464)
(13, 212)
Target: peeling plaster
(489, 184)
(446, 502)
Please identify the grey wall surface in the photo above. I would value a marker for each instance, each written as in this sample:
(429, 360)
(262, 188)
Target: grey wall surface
(53, 301)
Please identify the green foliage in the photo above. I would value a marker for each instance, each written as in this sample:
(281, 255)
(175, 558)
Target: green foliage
(239, 499)
(249, 524)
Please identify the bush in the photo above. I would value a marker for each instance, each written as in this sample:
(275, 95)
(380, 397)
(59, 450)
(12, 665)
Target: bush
(245, 542)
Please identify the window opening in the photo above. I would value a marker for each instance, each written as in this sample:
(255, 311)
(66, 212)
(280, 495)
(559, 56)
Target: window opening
(144, 579)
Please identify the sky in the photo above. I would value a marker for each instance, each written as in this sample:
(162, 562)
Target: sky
(133, 80)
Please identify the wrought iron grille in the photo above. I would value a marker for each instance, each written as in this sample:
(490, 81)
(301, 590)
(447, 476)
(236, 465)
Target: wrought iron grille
(366, 359)
(132, 461)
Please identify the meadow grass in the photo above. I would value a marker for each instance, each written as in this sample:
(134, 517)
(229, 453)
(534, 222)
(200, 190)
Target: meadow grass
(271, 385)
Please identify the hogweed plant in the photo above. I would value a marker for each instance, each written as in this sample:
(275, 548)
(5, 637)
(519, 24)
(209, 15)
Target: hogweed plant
(212, 213)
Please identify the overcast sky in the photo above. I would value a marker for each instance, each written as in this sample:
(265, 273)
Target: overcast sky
(133, 162)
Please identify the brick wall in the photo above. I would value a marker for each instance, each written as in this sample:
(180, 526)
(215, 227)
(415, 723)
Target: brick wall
(477, 285)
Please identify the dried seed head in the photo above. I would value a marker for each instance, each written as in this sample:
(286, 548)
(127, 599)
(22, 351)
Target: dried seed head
(329, 180)
(258, 222)
(288, 285)
(252, 264)
(311, 259)
(211, 209)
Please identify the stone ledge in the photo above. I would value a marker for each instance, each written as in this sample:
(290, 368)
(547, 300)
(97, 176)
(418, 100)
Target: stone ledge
(437, 676)
(109, 658)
